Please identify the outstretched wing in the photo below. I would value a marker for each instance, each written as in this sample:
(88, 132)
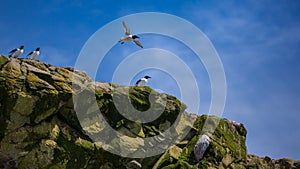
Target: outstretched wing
(12, 51)
(136, 84)
(137, 43)
(127, 30)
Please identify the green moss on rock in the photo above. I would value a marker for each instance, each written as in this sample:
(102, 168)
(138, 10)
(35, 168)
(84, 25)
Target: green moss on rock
(40, 127)
(3, 60)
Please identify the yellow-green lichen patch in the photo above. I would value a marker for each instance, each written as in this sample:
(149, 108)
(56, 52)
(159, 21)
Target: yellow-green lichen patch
(24, 103)
(12, 69)
(3, 60)
(34, 82)
(62, 86)
(45, 114)
(55, 132)
(64, 72)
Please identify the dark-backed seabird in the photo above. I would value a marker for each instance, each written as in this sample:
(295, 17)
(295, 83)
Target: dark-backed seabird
(129, 37)
(34, 54)
(142, 81)
(16, 52)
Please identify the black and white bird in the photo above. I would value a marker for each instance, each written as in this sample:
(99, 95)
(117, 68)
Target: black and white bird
(16, 52)
(34, 54)
(142, 81)
(128, 37)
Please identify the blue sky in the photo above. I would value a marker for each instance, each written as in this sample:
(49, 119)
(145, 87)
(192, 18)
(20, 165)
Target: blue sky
(258, 43)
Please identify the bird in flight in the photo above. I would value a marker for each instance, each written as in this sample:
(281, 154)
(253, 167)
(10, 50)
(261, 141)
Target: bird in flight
(128, 37)
(142, 81)
(16, 52)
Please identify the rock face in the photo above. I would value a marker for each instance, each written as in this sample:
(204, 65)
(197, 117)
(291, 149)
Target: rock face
(40, 128)
(201, 146)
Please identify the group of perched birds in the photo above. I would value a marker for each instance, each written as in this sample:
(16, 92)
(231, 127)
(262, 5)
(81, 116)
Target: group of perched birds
(15, 53)
(128, 37)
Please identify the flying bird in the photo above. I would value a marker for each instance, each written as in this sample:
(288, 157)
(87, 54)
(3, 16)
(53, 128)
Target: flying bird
(128, 37)
(16, 52)
(34, 54)
(142, 81)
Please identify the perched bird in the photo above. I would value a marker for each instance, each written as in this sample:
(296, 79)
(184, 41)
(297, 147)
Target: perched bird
(34, 54)
(16, 52)
(142, 81)
(129, 37)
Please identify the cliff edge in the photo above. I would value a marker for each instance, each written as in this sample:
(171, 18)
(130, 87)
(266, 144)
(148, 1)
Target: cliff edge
(41, 128)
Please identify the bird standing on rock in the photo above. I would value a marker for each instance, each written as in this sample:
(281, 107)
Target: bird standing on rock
(16, 52)
(129, 37)
(142, 81)
(34, 54)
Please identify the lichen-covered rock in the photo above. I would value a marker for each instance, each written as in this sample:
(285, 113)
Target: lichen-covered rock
(266, 162)
(40, 126)
(7, 162)
(133, 165)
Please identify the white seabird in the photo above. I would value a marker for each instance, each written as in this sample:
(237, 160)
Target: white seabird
(129, 37)
(142, 81)
(34, 54)
(16, 52)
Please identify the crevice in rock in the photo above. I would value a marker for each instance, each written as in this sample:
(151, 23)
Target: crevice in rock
(80, 131)
(5, 63)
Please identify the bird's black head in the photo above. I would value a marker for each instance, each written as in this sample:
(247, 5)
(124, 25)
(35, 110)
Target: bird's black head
(22, 47)
(37, 49)
(135, 36)
(147, 77)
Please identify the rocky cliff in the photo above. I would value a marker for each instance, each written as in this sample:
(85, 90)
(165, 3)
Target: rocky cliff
(41, 128)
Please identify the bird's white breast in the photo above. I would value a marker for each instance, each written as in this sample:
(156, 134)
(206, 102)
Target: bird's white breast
(35, 54)
(17, 53)
(126, 39)
(143, 82)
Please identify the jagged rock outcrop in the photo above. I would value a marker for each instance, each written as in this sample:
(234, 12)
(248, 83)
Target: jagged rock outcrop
(40, 128)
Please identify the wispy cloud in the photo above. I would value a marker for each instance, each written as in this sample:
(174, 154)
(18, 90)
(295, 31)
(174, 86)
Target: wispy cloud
(257, 43)
(55, 56)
